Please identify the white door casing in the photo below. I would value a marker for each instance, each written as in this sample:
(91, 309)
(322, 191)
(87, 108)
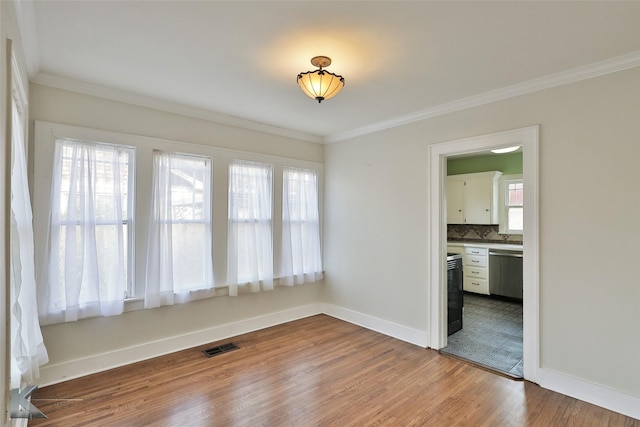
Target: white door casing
(437, 156)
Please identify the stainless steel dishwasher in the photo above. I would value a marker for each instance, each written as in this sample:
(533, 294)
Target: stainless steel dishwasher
(505, 273)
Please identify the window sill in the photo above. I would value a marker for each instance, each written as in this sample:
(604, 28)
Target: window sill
(135, 304)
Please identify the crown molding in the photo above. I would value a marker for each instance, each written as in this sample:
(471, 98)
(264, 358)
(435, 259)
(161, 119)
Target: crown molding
(608, 66)
(167, 106)
(27, 26)
(573, 75)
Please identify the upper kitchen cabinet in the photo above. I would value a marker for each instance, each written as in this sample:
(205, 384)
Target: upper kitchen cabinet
(473, 198)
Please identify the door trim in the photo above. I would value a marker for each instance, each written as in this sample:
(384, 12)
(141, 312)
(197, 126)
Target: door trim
(437, 156)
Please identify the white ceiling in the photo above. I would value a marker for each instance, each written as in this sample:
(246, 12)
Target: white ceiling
(240, 58)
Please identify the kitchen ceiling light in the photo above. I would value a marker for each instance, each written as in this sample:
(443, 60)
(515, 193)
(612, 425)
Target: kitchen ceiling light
(505, 150)
(320, 84)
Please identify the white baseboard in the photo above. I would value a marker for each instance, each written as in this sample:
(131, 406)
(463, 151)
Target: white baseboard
(58, 372)
(586, 391)
(403, 333)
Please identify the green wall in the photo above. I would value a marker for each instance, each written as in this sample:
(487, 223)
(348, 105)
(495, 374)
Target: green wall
(508, 164)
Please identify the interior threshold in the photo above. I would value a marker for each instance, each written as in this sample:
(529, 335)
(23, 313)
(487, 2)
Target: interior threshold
(482, 366)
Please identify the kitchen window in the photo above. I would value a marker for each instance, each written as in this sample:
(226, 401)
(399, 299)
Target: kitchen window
(513, 206)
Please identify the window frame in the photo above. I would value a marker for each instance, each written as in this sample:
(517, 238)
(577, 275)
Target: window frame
(268, 222)
(207, 200)
(505, 180)
(129, 221)
(308, 174)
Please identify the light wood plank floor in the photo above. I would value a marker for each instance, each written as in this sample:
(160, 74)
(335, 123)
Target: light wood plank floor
(317, 371)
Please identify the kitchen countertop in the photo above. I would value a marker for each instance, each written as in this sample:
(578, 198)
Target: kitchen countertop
(503, 246)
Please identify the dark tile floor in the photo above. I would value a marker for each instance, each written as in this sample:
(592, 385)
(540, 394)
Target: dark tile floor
(491, 335)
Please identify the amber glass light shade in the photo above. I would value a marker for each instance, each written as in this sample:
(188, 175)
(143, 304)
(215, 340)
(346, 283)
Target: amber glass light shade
(320, 84)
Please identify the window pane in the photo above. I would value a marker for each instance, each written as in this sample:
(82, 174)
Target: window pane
(108, 169)
(109, 256)
(189, 178)
(515, 218)
(250, 249)
(250, 190)
(515, 193)
(191, 256)
(191, 222)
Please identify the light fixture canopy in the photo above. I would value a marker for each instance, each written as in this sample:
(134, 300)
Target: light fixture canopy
(320, 84)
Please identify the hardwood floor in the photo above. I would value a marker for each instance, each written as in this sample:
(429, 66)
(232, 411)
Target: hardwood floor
(317, 371)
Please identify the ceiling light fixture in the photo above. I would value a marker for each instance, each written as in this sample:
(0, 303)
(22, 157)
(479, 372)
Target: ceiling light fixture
(320, 84)
(505, 150)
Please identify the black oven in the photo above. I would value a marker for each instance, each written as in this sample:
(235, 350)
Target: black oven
(455, 301)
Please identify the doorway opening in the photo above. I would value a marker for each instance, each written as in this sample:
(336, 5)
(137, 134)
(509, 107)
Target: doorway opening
(484, 234)
(438, 154)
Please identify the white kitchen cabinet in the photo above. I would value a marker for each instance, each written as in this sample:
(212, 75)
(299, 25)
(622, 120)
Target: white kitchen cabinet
(473, 198)
(455, 201)
(475, 270)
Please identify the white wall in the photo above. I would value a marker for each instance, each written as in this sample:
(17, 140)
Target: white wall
(376, 217)
(95, 344)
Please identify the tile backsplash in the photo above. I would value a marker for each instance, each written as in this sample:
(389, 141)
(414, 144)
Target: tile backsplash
(480, 233)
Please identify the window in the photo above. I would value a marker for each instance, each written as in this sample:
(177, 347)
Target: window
(514, 204)
(250, 248)
(179, 258)
(301, 257)
(91, 230)
(84, 221)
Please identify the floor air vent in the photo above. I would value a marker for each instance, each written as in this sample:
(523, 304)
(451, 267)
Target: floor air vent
(224, 348)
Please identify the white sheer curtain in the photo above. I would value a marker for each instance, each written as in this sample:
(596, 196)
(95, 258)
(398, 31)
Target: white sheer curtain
(301, 258)
(85, 274)
(179, 256)
(250, 247)
(28, 352)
